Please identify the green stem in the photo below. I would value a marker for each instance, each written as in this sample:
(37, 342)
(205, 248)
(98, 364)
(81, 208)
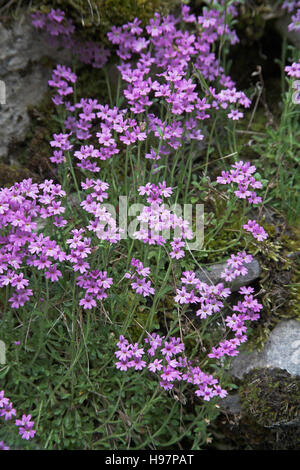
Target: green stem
(157, 298)
(108, 87)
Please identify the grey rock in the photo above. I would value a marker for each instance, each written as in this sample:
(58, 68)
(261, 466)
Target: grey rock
(282, 350)
(231, 404)
(20, 93)
(25, 78)
(21, 43)
(213, 275)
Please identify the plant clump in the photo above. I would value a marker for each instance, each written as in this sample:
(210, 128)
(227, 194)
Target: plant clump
(271, 397)
(112, 340)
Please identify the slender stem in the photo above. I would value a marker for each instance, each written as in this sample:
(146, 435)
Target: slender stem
(108, 86)
(158, 297)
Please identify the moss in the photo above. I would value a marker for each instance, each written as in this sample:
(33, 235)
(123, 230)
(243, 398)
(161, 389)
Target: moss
(94, 18)
(267, 417)
(294, 289)
(279, 282)
(293, 246)
(120, 11)
(10, 174)
(271, 397)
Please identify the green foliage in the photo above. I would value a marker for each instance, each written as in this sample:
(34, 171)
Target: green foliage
(63, 372)
(78, 399)
(279, 147)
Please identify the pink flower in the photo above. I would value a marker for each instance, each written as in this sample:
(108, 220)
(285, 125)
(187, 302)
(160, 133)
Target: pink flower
(88, 302)
(257, 231)
(155, 365)
(53, 273)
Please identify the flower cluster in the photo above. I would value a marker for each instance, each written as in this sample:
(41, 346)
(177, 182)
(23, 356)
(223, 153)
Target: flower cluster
(161, 76)
(235, 266)
(165, 358)
(25, 424)
(210, 298)
(54, 23)
(60, 31)
(104, 224)
(138, 278)
(257, 231)
(20, 206)
(26, 427)
(22, 246)
(61, 76)
(293, 7)
(247, 309)
(95, 283)
(293, 70)
(194, 291)
(172, 52)
(157, 219)
(241, 173)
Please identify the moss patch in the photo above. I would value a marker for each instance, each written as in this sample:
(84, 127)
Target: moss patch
(269, 417)
(270, 396)
(94, 18)
(270, 401)
(9, 175)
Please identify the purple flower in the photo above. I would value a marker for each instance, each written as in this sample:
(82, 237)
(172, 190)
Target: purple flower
(27, 432)
(3, 446)
(257, 231)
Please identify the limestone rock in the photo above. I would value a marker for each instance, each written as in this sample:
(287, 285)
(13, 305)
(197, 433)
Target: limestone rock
(282, 350)
(213, 275)
(24, 76)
